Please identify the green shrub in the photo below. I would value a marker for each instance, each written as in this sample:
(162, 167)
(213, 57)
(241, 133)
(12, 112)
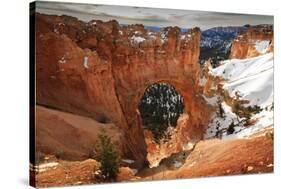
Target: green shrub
(246, 112)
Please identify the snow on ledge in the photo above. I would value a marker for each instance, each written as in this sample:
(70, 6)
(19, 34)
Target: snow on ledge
(62, 60)
(137, 39)
(262, 46)
(85, 63)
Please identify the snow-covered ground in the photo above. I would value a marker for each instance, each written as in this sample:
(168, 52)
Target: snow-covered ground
(252, 79)
(219, 125)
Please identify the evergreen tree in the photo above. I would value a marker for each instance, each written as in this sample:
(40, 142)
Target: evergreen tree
(230, 130)
(160, 107)
(106, 155)
(221, 110)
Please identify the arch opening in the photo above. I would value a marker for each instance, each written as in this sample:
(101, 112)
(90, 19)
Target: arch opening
(160, 107)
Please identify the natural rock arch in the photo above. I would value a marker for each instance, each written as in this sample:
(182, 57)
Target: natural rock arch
(194, 106)
(116, 74)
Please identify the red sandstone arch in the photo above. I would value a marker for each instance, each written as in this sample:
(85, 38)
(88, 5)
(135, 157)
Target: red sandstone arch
(135, 120)
(129, 93)
(116, 75)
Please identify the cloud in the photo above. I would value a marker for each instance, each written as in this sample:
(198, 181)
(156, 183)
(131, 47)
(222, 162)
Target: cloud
(151, 16)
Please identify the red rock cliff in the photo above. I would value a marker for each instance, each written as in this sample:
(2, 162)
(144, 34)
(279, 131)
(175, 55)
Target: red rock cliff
(255, 41)
(100, 69)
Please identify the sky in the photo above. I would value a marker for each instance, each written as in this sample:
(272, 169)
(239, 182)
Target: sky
(151, 16)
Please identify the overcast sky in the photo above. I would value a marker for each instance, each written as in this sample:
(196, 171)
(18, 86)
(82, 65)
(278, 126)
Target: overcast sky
(151, 16)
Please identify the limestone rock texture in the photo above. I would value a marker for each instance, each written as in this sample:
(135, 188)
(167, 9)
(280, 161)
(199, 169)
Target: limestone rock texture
(256, 40)
(101, 70)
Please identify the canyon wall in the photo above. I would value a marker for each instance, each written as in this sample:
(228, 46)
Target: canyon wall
(255, 41)
(101, 70)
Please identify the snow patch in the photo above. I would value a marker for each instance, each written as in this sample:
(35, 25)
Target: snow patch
(137, 39)
(186, 37)
(177, 164)
(219, 125)
(151, 35)
(211, 100)
(129, 161)
(85, 63)
(163, 37)
(45, 166)
(262, 46)
(202, 81)
(62, 60)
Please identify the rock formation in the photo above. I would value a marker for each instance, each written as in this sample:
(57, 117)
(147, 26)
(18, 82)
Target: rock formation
(255, 41)
(180, 141)
(101, 70)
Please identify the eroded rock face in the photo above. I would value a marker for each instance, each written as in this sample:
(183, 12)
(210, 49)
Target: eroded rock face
(181, 140)
(255, 41)
(101, 70)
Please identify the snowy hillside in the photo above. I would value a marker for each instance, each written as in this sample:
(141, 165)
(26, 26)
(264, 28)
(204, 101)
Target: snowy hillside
(252, 79)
